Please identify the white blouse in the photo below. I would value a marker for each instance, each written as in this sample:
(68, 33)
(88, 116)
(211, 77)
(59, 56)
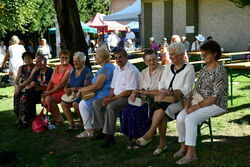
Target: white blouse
(183, 81)
(148, 82)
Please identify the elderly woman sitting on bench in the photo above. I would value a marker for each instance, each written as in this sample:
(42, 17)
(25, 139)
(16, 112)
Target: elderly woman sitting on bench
(209, 98)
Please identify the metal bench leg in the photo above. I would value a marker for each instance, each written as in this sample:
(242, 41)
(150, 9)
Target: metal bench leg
(199, 135)
(210, 129)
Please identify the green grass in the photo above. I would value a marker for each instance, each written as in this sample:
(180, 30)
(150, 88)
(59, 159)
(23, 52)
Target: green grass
(58, 148)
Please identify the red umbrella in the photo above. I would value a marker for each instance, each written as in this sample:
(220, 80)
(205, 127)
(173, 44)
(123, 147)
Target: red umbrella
(104, 26)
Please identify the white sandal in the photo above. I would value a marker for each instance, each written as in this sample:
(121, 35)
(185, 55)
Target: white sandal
(142, 142)
(85, 135)
(159, 150)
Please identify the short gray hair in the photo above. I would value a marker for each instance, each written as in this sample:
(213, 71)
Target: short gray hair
(178, 47)
(177, 37)
(80, 55)
(14, 39)
(104, 53)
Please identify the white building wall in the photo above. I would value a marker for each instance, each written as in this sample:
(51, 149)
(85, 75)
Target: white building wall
(158, 20)
(228, 24)
(179, 17)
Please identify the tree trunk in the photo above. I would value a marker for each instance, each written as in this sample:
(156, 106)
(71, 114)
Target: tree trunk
(72, 37)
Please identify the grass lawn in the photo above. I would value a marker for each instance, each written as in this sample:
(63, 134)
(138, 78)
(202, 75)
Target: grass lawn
(59, 148)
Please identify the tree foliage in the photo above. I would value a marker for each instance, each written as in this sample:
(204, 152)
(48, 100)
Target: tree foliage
(88, 8)
(38, 15)
(26, 15)
(241, 3)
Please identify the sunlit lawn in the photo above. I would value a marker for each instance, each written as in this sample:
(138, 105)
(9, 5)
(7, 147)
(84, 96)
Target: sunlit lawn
(59, 148)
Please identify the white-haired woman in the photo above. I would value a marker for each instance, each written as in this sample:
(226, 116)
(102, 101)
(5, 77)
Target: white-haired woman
(14, 55)
(100, 85)
(81, 76)
(177, 77)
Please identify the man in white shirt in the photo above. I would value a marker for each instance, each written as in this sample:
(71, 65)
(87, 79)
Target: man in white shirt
(130, 35)
(113, 41)
(126, 78)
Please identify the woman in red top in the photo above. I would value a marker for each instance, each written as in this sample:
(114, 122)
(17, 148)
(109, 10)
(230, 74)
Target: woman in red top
(55, 90)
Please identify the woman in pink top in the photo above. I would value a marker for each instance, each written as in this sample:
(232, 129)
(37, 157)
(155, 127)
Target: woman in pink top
(55, 90)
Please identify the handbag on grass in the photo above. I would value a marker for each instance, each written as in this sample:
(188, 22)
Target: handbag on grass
(87, 95)
(40, 124)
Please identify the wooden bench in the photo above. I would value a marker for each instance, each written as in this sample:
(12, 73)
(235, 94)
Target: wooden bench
(235, 70)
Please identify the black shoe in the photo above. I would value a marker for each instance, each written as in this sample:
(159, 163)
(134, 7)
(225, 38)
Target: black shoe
(100, 136)
(110, 140)
(23, 125)
(71, 128)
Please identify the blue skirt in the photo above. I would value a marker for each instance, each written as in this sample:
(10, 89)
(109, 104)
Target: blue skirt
(135, 121)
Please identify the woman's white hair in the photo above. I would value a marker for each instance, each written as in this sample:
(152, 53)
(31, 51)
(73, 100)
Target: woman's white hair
(14, 39)
(80, 55)
(178, 47)
(177, 38)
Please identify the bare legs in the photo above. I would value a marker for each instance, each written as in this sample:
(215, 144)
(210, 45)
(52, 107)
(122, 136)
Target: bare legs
(53, 108)
(159, 120)
(66, 109)
(190, 151)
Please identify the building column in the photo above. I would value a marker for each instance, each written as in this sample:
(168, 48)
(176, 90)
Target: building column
(147, 23)
(168, 19)
(192, 19)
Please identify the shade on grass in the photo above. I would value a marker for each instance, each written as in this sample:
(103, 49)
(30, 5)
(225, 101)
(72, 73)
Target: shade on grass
(58, 148)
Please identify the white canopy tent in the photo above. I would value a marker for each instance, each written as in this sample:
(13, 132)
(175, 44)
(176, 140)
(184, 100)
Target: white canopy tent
(131, 13)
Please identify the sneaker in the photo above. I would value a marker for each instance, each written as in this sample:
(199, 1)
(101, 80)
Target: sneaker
(52, 126)
(110, 140)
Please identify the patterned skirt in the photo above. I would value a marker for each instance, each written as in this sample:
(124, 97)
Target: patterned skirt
(135, 121)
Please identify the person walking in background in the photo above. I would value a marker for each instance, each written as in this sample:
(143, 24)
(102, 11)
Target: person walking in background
(14, 55)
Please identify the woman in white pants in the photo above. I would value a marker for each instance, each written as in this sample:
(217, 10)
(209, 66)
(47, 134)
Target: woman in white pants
(177, 77)
(209, 98)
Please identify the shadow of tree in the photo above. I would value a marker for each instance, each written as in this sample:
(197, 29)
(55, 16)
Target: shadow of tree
(4, 96)
(244, 120)
(240, 107)
(245, 88)
(234, 97)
